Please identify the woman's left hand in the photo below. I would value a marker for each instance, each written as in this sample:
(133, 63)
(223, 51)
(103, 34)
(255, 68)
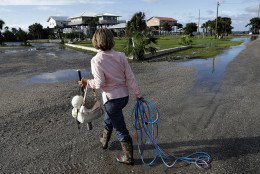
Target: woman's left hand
(83, 82)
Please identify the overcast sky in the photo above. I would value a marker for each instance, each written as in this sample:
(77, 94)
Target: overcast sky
(22, 13)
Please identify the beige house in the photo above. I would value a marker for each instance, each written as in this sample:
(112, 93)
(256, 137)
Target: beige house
(160, 21)
(156, 23)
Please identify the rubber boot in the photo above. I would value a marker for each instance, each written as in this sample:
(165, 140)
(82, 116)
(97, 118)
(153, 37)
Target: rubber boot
(105, 138)
(127, 156)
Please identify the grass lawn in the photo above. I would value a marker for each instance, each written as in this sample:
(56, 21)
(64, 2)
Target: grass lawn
(206, 48)
(119, 44)
(201, 47)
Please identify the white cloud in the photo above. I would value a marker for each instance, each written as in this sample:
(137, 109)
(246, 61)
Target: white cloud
(226, 13)
(44, 8)
(53, 2)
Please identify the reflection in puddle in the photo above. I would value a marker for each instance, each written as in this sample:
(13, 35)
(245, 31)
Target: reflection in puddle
(210, 71)
(50, 54)
(35, 46)
(58, 76)
(254, 38)
(10, 51)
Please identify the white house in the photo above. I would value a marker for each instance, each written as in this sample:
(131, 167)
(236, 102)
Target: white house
(105, 19)
(80, 19)
(61, 21)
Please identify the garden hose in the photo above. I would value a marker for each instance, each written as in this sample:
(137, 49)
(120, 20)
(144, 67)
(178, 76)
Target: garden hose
(145, 118)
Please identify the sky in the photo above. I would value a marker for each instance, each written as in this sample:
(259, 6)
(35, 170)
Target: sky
(22, 13)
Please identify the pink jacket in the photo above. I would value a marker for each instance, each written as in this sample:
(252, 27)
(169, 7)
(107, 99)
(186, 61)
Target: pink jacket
(113, 75)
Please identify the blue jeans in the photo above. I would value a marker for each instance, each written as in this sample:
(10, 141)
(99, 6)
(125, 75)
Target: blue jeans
(114, 117)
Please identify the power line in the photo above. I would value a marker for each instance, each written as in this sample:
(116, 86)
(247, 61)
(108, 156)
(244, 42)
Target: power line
(199, 25)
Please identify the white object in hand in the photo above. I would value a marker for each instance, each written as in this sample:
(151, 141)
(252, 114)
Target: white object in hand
(74, 112)
(77, 101)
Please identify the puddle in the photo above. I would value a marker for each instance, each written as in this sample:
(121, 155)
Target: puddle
(210, 71)
(51, 54)
(58, 76)
(35, 47)
(10, 51)
(33, 44)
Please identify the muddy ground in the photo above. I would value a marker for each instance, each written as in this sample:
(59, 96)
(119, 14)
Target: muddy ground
(39, 135)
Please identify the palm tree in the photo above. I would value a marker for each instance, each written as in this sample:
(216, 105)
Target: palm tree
(36, 30)
(190, 28)
(1, 27)
(205, 26)
(137, 23)
(255, 25)
(226, 26)
(14, 31)
(32, 29)
(92, 25)
(211, 25)
(139, 44)
(22, 36)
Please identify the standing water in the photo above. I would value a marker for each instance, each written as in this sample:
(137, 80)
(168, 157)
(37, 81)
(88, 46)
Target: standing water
(58, 76)
(210, 71)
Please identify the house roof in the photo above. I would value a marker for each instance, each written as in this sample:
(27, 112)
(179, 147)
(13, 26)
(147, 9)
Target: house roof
(58, 18)
(107, 14)
(92, 14)
(84, 14)
(163, 18)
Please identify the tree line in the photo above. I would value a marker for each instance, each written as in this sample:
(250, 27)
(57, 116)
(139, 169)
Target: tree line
(137, 23)
(35, 31)
(224, 27)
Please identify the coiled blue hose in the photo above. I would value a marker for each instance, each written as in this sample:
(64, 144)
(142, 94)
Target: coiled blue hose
(145, 117)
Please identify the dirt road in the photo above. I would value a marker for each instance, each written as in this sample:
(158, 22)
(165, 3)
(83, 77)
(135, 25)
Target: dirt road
(38, 134)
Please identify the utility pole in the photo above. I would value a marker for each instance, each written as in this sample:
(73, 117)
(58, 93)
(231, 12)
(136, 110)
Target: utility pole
(199, 25)
(258, 10)
(216, 22)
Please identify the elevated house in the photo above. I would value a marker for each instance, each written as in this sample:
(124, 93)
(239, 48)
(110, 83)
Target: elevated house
(81, 19)
(84, 22)
(104, 19)
(57, 24)
(156, 23)
(119, 29)
(60, 21)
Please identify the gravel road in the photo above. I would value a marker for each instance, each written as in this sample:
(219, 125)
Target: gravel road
(38, 134)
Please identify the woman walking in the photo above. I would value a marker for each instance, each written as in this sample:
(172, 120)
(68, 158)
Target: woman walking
(113, 75)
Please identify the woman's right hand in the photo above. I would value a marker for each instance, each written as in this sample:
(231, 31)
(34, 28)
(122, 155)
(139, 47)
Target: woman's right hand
(139, 98)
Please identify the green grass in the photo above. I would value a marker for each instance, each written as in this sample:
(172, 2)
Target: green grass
(201, 47)
(119, 44)
(206, 48)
